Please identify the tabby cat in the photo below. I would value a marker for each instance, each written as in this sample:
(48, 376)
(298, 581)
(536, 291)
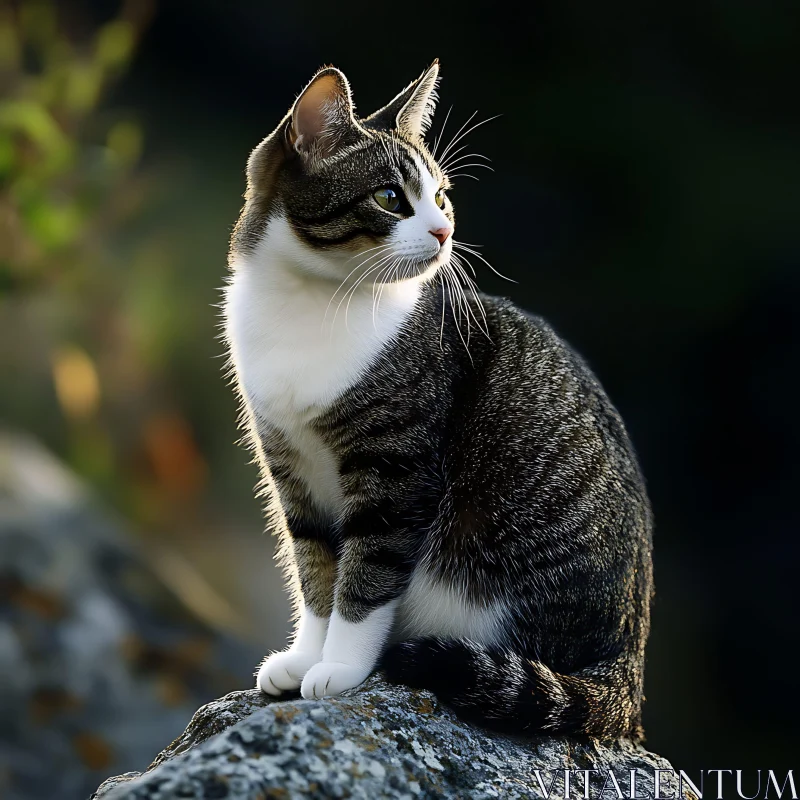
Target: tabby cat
(455, 497)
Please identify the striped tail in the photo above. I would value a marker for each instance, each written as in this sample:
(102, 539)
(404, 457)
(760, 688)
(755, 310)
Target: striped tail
(506, 692)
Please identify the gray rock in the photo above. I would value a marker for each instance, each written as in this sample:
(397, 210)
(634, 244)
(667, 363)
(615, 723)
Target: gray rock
(373, 742)
(100, 661)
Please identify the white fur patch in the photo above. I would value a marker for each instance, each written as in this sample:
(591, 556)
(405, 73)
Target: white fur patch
(294, 353)
(359, 642)
(433, 608)
(285, 670)
(350, 653)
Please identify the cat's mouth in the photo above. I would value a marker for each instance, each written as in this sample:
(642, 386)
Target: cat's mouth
(426, 261)
(397, 265)
(421, 267)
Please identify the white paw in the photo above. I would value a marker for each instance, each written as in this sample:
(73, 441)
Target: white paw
(329, 678)
(284, 671)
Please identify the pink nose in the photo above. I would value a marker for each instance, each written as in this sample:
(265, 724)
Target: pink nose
(442, 234)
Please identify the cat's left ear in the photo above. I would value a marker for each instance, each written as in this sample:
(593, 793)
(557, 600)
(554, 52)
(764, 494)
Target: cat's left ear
(317, 125)
(411, 112)
(322, 115)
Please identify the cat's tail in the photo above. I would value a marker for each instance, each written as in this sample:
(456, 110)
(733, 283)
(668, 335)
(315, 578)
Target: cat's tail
(507, 692)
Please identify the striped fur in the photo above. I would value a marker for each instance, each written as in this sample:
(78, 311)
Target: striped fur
(469, 512)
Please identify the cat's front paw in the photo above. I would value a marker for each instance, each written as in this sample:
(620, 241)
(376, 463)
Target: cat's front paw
(284, 671)
(329, 678)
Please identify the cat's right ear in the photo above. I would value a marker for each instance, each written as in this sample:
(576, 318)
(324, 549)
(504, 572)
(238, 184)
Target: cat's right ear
(322, 115)
(411, 111)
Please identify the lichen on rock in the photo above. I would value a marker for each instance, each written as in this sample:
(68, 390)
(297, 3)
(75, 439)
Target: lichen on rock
(372, 742)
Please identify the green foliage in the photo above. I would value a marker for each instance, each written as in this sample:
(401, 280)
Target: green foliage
(108, 273)
(63, 168)
(84, 316)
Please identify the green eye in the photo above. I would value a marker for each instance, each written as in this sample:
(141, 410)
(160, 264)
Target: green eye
(439, 198)
(387, 198)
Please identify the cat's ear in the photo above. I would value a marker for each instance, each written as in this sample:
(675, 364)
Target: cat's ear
(316, 125)
(322, 115)
(411, 112)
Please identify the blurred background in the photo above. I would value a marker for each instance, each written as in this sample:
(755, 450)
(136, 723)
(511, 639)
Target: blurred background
(645, 199)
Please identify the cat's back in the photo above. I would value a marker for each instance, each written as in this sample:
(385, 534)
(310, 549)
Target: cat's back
(539, 406)
(522, 359)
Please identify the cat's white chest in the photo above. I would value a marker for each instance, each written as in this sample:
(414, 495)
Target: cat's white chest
(284, 360)
(295, 353)
(289, 373)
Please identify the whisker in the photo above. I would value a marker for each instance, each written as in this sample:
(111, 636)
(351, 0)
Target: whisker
(452, 285)
(478, 164)
(368, 250)
(466, 261)
(462, 246)
(454, 154)
(454, 157)
(441, 324)
(438, 139)
(457, 262)
(468, 131)
(453, 140)
(452, 162)
(392, 273)
(380, 248)
(351, 292)
(457, 159)
(463, 305)
(378, 286)
(459, 306)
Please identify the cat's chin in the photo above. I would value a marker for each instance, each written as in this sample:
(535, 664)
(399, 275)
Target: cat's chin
(422, 271)
(426, 268)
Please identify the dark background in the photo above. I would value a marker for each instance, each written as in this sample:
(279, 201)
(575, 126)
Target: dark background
(646, 199)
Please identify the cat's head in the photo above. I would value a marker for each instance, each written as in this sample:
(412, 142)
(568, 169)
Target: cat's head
(347, 195)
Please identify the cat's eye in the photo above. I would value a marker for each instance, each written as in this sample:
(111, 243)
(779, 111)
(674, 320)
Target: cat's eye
(388, 199)
(439, 198)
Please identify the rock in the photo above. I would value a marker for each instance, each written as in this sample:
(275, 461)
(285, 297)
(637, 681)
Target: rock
(100, 662)
(372, 742)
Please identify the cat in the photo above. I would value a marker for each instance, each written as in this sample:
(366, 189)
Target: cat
(455, 498)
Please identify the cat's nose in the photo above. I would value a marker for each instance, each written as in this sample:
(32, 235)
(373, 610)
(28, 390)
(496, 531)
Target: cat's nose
(442, 234)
